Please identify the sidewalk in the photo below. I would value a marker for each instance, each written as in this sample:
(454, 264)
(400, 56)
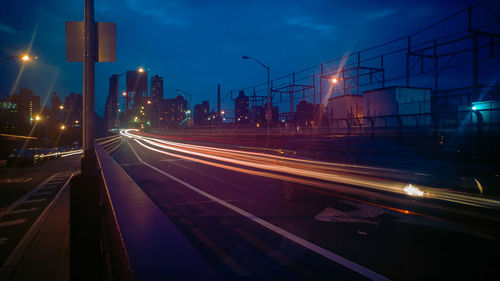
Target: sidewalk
(44, 255)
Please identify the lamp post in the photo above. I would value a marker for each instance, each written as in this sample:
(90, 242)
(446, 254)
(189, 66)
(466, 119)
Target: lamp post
(23, 58)
(125, 94)
(269, 109)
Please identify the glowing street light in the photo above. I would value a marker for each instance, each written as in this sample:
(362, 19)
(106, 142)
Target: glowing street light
(22, 58)
(124, 94)
(140, 69)
(38, 118)
(334, 80)
(149, 102)
(62, 127)
(61, 107)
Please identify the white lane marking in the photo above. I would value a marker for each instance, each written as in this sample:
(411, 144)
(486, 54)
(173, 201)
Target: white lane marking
(43, 193)
(14, 222)
(34, 200)
(309, 245)
(3, 240)
(15, 180)
(27, 195)
(116, 151)
(20, 211)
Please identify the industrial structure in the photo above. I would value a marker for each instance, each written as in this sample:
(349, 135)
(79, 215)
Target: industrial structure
(407, 82)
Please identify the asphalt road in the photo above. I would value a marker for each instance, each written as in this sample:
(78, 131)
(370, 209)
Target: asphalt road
(252, 222)
(25, 192)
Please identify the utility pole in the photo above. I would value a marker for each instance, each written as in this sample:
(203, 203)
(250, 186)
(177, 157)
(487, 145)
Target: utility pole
(87, 42)
(89, 159)
(218, 104)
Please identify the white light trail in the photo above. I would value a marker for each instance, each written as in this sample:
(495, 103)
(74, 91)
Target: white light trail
(364, 177)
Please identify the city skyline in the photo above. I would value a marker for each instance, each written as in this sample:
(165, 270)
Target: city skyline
(199, 57)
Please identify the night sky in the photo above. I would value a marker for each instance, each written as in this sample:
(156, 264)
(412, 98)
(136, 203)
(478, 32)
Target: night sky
(195, 45)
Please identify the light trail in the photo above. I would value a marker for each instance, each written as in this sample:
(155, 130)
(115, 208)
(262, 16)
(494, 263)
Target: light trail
(365, 177)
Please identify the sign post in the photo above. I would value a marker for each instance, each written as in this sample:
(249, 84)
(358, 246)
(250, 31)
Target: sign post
(87, 42)
(90, 42)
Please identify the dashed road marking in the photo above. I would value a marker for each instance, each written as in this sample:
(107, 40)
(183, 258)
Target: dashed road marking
(11, 223)
(43, 193)
(230, 262)
(20, 211)
(275, 254)
(34, 200)
(15, 180)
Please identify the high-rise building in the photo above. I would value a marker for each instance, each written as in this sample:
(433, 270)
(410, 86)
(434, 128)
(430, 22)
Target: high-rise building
(156, 88)
(137, 87)
(241, 108)
(9, 116)
(156, 97)
(73, 110)
(28, 105)
(111, 107)
(56, 108)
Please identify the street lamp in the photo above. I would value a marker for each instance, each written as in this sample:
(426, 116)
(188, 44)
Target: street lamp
(23, 58)
(269, 110)
(124, 94)
(62, 127)
(334, 80)
(38, 118)
(61, 107)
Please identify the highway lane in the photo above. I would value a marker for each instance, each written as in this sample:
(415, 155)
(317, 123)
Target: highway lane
(387, 241)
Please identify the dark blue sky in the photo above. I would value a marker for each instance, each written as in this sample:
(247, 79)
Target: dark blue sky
(195, 45)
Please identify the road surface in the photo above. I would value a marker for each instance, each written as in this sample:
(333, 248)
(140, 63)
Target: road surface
(258, 215)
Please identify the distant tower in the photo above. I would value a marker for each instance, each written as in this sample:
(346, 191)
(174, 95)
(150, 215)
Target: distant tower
(111, 107)
(137, 85)
(156, 89)
(55, 106)
(156, 96)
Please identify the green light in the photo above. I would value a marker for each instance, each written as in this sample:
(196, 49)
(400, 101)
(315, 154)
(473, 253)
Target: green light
(147, 123)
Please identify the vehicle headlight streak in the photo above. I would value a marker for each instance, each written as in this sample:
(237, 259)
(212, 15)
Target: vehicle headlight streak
(330, 172)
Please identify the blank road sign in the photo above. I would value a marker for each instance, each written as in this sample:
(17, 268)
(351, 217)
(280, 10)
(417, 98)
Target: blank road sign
(106, 41)
(105, 45)
(74, 41)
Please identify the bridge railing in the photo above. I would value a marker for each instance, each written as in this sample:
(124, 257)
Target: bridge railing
(134, 238)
